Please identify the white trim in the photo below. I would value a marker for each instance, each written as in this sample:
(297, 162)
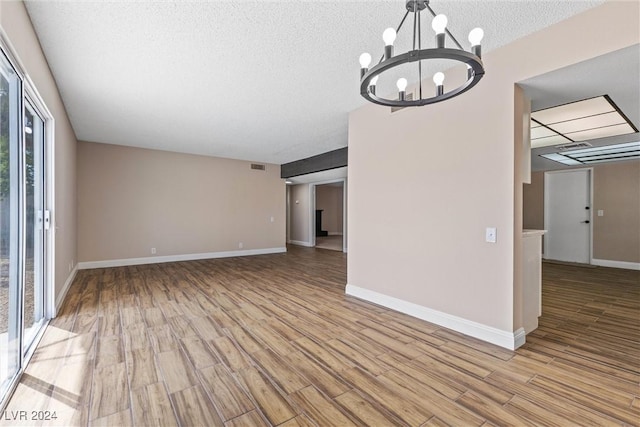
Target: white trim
(312, 215)
(65, 289)
(301, 243)
(519, 338)
(345, 206)
(173, 258)
(509, 340)
(616, 264)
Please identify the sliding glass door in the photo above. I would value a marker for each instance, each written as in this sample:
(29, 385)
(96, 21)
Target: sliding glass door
(10, 257)
(34, 225)
(23, 216)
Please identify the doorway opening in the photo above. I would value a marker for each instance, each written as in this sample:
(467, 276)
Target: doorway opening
(329, 216)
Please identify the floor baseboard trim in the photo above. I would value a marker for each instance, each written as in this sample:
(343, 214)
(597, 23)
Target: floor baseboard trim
(616, 264)
(65, 288)
(174, 258)
(508, 340)
(335, 233)
(300, 243)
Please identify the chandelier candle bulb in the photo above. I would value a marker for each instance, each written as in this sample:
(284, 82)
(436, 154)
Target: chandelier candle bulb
(372, 85)
(475, 37)
(439, 25)
(438, 79)
(365, 60)
(389, 36)
(402, 86)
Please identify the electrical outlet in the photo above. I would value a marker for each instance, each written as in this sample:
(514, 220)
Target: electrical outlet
(240, 245)
(272, 219)
(153, 251)
(490, 235)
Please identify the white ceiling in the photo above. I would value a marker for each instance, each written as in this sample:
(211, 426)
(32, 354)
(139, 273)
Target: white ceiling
(614, 74)
(269, 81)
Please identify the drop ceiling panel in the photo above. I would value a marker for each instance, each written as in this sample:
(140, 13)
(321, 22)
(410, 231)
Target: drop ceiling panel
(551, 140)
(589, 107)
(591, 122)
(541, 132)
(587, 135)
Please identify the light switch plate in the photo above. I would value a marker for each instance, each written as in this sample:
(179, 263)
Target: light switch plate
(600, 212)
(490, 235)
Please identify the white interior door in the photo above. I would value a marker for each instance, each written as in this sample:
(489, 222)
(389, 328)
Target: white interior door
(567, 215)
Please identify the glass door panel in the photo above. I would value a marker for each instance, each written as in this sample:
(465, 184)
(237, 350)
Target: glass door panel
(34, 225)
(10, 289)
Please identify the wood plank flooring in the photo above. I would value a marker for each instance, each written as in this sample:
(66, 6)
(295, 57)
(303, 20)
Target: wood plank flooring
(273, 340)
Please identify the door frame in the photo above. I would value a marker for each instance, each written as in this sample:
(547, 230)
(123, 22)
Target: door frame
(547, 207)
(33, 96)
(312, 211)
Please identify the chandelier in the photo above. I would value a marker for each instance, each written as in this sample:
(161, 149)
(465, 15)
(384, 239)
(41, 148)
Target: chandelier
(475, 69)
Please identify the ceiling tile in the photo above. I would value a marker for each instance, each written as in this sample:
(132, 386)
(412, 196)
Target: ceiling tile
(574, 110)
(591, 122)
(551, 140)
(586, 135)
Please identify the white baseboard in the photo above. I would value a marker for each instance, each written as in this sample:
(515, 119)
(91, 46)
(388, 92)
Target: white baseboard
(300, 243)
(519, 338)
(335, 233)
(509, 340)
(616, 264)
(174, 258)
(65, 288)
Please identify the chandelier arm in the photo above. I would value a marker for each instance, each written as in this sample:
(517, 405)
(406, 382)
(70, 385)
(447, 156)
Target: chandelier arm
(420, 62)
(398, 29)
(415, 21)
(446, 30)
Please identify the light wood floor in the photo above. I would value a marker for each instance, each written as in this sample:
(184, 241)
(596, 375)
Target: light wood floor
(272, 340)
(333, 243)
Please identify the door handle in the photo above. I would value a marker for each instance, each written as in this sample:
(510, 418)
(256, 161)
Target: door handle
(47, 219)
(586, 222)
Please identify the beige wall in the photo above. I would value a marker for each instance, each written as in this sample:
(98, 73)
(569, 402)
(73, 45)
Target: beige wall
(446, 172)
(533, 202)
(17, 27)
(299, 214)
(329, 198)
(616, 191)
(131, 199)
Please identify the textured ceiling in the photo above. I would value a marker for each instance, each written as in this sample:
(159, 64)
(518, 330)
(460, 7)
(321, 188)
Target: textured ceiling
(269, 81)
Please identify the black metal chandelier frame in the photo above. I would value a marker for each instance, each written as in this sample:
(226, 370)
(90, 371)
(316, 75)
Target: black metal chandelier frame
(472, 59)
